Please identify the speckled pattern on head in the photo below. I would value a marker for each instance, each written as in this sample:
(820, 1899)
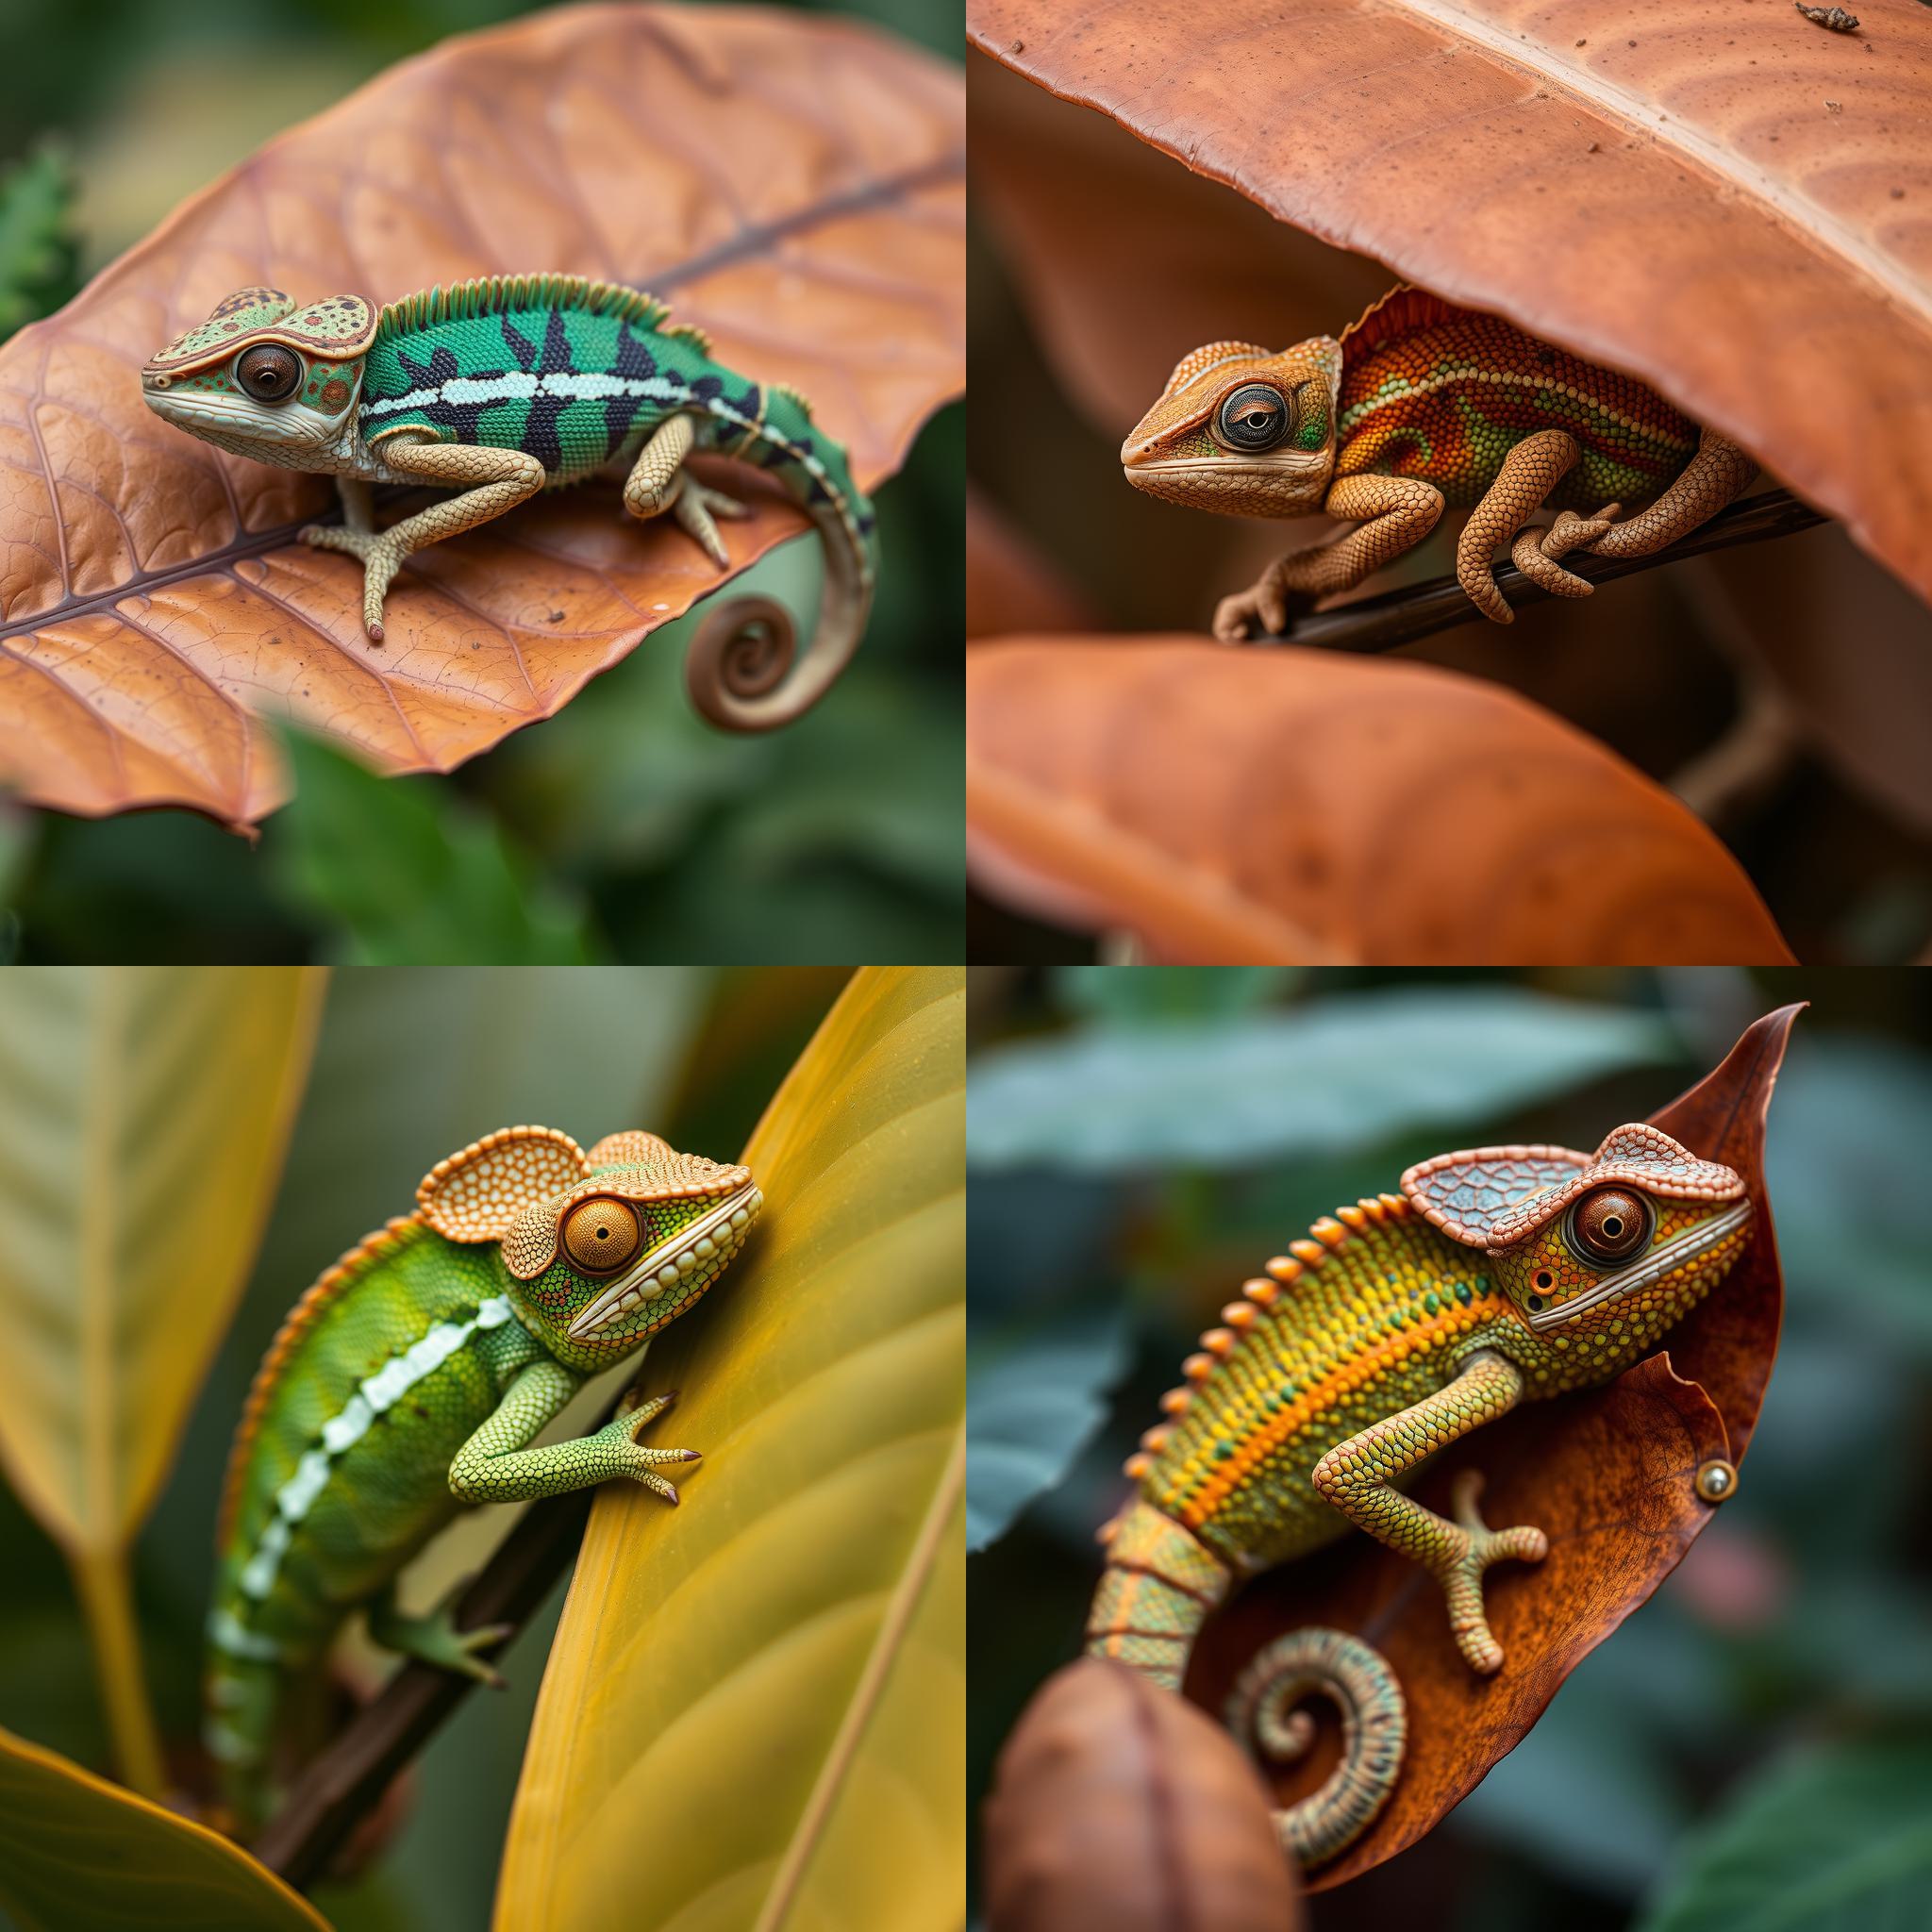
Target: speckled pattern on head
(412, 1378)
(1401, 1322)
(335, 327)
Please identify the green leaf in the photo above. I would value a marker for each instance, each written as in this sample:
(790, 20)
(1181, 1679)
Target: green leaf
(1170, 992)
(413, 874)
(1032, 1404)
(39, 259)
(80, 1855)
(1828, 1841)
(1334, 1074)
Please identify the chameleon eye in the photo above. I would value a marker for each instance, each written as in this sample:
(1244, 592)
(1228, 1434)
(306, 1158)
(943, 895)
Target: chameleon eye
(269, 373)
(1254, 417)
(1609, 1225)
(600, 1234)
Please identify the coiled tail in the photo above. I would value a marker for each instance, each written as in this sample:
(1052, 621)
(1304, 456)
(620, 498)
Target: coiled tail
(745, 670)
(1157, 1588)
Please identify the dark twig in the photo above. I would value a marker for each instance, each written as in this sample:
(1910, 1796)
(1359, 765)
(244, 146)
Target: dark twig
(347, 1780)
(1419, 610)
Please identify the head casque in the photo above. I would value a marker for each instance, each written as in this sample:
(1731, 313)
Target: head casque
(600, 1248)
(263, 377)
(1600, 1255)
(1242, 430)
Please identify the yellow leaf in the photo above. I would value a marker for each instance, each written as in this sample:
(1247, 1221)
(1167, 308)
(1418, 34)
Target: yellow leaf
(754, 1715)
(144, 1114)
(82, 1855)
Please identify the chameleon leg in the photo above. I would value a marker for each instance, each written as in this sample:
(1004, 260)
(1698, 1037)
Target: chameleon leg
(1531, 470)
(495, 1466)
(1711, 478)
(1395, 514)
(1356, 1477)
(358, 504)
(434, 1638)
(659, 481)
(499, 479)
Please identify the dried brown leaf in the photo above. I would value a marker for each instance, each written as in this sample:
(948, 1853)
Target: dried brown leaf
(1117, 1807)
(792, 184)
(1231, 806)
(1660, 190)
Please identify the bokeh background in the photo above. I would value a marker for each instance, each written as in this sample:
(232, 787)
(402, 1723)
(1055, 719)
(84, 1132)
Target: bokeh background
(408, 1067)
(1140, 1139)
(622, 828)
(1780, 689)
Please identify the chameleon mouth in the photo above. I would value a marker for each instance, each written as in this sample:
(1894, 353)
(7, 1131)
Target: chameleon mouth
(1653, 1267)
(693, 1255)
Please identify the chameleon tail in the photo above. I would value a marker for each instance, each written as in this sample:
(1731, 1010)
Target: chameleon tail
(1374, 1732)
(745, 670)
(1157, 1588)
(241, 1696)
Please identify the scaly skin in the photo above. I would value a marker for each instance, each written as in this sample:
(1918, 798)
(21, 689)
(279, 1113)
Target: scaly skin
(1422, 406)
(1402, 1323)
(411, 1379)
(504, 387)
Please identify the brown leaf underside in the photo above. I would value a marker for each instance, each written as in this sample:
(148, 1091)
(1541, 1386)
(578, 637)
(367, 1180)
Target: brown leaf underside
(1726, 202)
(1303, 807)
(792, 185)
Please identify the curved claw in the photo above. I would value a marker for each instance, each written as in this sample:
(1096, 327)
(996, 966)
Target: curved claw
(1260, 610)
(1543, 569)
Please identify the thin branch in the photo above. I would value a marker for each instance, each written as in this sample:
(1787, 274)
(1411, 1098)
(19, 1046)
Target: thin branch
(1419, 610)
(347, 1780)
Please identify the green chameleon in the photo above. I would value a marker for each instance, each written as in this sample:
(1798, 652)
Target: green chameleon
(510, 385)
(413, 1378)
(1495, 1276)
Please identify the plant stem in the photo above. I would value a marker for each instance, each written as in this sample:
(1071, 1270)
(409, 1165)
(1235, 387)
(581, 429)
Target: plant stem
(101, 1580)
(1419, 610)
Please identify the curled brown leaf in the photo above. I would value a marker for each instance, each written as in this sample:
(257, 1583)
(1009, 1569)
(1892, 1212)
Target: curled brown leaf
(793, 185)
(1296, 805)
(1118, 1808)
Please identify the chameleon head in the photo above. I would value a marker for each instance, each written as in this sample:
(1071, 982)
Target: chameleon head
(600, 1249)
(264, 378)
(1606, 1250)
(1242, 430)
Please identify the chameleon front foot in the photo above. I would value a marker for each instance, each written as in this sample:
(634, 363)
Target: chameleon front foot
(433, 1638)
(380, 556)
(1469, 1549)
(636, 1461)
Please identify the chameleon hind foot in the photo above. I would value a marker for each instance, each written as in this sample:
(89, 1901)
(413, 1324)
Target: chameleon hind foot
(1535, 552)
(1459, 1570)
(379, 557)
(694, 505)
(1531, 470)
(433, 1638)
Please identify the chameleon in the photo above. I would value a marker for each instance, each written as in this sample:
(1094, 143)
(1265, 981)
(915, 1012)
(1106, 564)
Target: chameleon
(1424, 407)
(504, 387)
(411, 1379)
(1399, 1324)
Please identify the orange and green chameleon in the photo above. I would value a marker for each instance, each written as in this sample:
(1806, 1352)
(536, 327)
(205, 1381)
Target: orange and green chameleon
(1420, 407)
(1497, 1276)
(411, 1380)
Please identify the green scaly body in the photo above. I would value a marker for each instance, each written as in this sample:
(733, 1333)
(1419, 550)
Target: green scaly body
(1374, 1341)
(410, 1381)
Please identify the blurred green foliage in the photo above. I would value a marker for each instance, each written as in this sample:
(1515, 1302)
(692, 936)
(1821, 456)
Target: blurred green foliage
(632, 830)
(409, 1066)
(1713, 1764)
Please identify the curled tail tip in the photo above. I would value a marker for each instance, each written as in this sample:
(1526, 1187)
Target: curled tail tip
(1357, 1680)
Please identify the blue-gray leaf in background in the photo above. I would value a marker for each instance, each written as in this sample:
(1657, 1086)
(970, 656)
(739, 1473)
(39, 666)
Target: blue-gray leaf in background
(1031, 1410)
(1334, 1074)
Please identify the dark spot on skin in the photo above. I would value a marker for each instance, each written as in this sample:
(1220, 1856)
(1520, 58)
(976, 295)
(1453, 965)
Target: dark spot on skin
(335, 394)
(421, 1413)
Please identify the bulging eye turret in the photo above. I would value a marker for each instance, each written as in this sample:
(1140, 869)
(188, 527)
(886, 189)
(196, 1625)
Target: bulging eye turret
(1610, 1224)
(600, 1234)
(269, 372)
(1254, 417)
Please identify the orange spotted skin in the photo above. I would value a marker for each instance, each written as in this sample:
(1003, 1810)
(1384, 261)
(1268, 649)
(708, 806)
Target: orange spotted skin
(1442, 394)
